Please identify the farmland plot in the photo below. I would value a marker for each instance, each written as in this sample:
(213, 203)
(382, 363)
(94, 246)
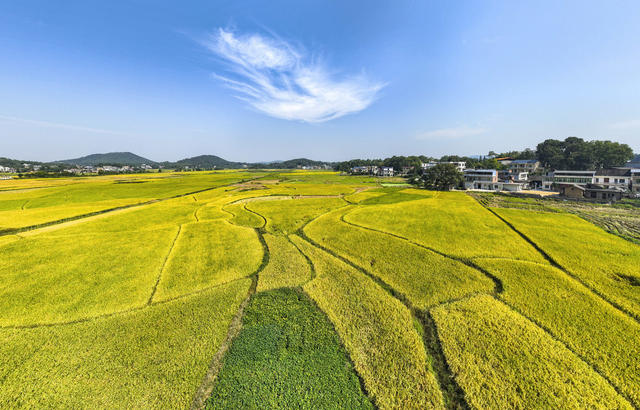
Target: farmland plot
(207, 254)
(452, 223)
(608, 264)
(602, 335)
(504, 361)
(287, 267)
(377, 331)
(151, 358)
(422, 276)
(287, 216)
(287, 356)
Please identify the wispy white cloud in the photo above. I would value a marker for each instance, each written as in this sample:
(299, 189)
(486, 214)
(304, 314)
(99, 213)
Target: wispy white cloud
(284, 81)
(48, 124)
(456, 132)
(626, 125)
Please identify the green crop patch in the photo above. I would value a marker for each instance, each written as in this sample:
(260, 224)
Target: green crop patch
(377, 331)
(152, 358)
(395, 197)
(502, 360)
(422, 276)
(286, 356)
(599, 333)
(602, 261)
(287, 216)
(207, 254)
(287, 267)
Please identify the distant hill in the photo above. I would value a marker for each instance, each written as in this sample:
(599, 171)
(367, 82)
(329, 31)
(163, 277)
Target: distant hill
(110, 158)
(204, 162)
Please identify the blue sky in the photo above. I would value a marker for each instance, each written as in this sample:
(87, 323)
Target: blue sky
(330, 80)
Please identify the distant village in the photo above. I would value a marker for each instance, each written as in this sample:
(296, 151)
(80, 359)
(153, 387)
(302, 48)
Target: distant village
(526, 176)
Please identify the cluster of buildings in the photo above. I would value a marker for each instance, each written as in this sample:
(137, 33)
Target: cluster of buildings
(7, 169)
(373, 170)
(90, 169)
(604, 185)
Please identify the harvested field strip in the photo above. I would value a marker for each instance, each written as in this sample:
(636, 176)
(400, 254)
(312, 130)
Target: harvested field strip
(504, 361)
(148, 358)
(422, 276)
(377, 331)
(598, 333)
(287, 355)
(87, 277)
(606, 264)
(450, 223)
(286, 217)
(287, 266)
(208, 253)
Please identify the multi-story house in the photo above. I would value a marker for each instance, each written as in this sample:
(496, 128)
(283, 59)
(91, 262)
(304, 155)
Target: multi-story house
(524, 165)
(461, 165)
(385, 171)
(573, 177)
(614, 178)
(481, 179)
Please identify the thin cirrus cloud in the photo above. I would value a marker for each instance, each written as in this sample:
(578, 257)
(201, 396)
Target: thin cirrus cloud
(284, 81)
(456, 132)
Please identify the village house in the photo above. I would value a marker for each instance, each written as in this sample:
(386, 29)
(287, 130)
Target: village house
(385, 172)
(524, 165)
(614, 178)
(481, 179)
(460, 165)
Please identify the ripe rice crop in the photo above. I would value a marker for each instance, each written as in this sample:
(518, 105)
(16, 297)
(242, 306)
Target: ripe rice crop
(47, 279)
(422, 276)
(287, 267)
(243, 217)
(207, 254)
(151, 358)
(287, 216)
(377, 331)
(606, 263)
(286, 356)
(602, 335)
(450, 222)
(504, 361)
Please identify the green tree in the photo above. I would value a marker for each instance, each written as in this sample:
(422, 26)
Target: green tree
(442, 177)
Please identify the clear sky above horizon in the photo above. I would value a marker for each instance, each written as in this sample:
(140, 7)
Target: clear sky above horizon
(328, 80)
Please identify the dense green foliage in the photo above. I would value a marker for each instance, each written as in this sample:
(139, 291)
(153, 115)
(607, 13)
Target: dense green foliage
(576, 153)
(286, 356)
(442, 177)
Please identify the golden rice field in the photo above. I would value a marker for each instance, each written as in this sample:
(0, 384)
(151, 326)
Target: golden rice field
(302, 289)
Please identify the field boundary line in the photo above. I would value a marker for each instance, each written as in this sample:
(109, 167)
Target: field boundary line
(11, 231)
(164, 265)
(208, 383)
(264, 220)
(451, 391)
(557, 265)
